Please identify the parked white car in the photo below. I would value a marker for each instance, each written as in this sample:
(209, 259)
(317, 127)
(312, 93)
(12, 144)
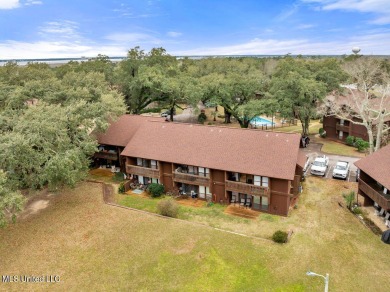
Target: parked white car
(320, 165)
(341, 170)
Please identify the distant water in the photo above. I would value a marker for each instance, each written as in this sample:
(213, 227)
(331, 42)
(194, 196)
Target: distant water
(58, 61)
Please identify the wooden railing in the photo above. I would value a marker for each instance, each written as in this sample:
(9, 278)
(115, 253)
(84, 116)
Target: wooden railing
(375, 194)
(343, 128)
(144, 171)
(106, 155)
(191, 179)
(250, 189)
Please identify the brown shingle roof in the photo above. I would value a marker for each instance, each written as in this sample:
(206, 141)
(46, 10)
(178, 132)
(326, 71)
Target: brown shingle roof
(302, 158)
(120, 132)
(377, 165)
(237, 150)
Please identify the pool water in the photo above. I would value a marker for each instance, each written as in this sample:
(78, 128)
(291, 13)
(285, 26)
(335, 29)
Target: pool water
(261, 121)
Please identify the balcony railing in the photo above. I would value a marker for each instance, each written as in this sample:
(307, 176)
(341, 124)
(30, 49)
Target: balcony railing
(343, 128)
(375, 194)
(144, 171)
(106, 155)
(191, 179)
(250, 189)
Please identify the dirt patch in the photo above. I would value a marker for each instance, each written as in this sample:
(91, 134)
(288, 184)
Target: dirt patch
(35, 205)
(241, 212)
(102, 172)
(191, 202)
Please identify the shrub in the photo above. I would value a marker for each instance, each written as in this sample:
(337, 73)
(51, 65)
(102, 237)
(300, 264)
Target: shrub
(168, 207)
(350, 140)
(322, 132)
(280, 236)
(357, 211)
(361, 145)
(156, 190)
(202, 118)
(121, 188)
(151, 110)
(118, 177)
(349, 199)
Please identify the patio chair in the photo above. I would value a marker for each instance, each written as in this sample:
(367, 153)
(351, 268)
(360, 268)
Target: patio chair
(242, 204)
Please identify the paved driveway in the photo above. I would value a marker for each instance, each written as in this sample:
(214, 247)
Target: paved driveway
(314, 149)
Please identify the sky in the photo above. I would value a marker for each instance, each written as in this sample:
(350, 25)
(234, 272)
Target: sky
(33, 29)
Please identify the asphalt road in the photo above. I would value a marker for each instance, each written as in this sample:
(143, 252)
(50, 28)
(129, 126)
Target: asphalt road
(314, 150)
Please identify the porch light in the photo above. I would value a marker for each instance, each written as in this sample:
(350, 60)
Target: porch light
(326, 278)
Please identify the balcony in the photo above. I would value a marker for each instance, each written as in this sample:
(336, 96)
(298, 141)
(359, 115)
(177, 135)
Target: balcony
(106, 155)
(144, 171)
(250, 189)
(375, 193)
(343, 128)
(191, 179)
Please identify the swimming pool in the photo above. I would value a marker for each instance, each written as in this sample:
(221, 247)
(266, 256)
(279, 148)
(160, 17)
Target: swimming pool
(258, 121)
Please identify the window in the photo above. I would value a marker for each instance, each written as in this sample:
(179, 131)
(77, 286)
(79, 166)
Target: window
(139, 161)
(264, 181)
(204, 171)
(155, 180)
(203, 191)
(153, 164)
(264, 203)
(261, 181)
(192, 169)
(385, 191)
(256, 202)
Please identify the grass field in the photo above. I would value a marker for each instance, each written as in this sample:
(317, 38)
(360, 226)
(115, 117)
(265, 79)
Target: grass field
(93, 246)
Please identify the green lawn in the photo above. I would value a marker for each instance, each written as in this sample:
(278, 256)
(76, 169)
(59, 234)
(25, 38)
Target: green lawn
(334, 147)
(93, 246)
(314, 127)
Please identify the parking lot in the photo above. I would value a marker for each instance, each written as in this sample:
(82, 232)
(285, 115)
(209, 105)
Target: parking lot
(313, 151)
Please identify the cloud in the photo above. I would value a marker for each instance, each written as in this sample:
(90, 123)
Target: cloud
(50, 49)
(379, 7)
(305, 26)
(9, 4)
(133, 38)
(60, 29)
(33, 2)
(174, 34)
(12, 4)
(287, 13)
(375, 43)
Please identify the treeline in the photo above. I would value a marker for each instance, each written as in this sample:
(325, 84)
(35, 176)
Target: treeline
(46, 118)
(47, 113)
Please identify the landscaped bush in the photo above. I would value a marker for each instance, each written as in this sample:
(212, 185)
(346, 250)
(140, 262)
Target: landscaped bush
(350, 140)
(151, 110)
(202, 118)
(361, 145)
(322, 132)
(280, 236)
(121, 188)
(156, 190)
(118, 177)
(357, 211)
(349, 199)
(168, 207)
